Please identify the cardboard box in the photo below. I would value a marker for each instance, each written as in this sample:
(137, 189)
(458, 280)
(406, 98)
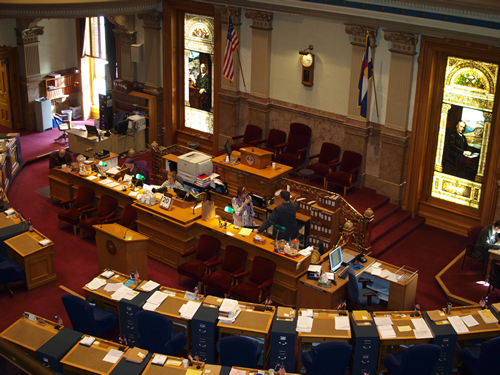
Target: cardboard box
(122, 85)
(77, 112)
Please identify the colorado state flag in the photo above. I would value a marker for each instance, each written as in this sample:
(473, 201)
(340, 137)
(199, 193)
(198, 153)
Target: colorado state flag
(364, 76)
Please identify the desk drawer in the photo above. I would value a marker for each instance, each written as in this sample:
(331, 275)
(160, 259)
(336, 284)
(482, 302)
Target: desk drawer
(282, 356)
(203, 328)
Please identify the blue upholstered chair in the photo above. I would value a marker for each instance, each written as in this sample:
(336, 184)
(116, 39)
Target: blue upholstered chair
(155, 333)
(414, 360)
(361, 296)
(10, 271)
(87, 318)
(239, 351)
(484, 359)
(330, 358)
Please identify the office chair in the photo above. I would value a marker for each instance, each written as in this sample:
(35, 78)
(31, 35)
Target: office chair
(249, 139)
(473, 234)
(274, 139)
(258, 286)
(128, 218)
(330, 358)
(155, 333)
(347, 175)
(327, 157)
(362, 296)
(484, 359)
(105, 209)
(239, 351)
(83, 200)
(414, 360)
(63, 124)
(87, 318)
(10, 271)
(296, 147)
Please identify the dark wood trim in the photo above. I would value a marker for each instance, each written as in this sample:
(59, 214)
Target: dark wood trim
(10, 53)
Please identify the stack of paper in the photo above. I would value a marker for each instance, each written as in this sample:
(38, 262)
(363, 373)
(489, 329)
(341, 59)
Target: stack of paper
(342, 323)
(304, 324)
(107, 274)
(112, 287)
(124, 293)
(470, 321)
(113, 356)
(149, 286)
(487, 316)
(96, 283)
(10, 212)
(189, 309)
(159, 359)
(384, 325)
(422, 330)
(458, 324)
(229, 310)
(87, 340)
(155, 301)
(307, 251)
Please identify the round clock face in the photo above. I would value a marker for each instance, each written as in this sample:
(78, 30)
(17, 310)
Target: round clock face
(306, 60)
(250, 160)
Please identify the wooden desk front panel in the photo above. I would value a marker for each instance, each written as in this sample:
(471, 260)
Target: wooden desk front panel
(288, 270)
(101, 190)
(60, 185)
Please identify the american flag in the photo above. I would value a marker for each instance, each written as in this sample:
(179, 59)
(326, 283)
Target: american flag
(58, 319)
(195, 291)
(417, 306)
(231, 44)
(136, 276)
(482, 303)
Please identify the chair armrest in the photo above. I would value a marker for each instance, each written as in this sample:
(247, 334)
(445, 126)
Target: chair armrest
(112, 220)
(239, 270)
(207, 262)
(237, 137)
(85, 212)
(280, 147)
(63, 203)
(213, 264)
(303, 150)
(354, 171)
(241, 275)
(333, 162)
(187, 253)
(365, 282)
(260, 142)
(254, 142)
(82, 209)
(313, 156)
(266, 284)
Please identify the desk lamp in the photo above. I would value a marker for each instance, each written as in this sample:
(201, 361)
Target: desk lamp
(139, 179)
(279, 228)
(102, 164)
(229, 210)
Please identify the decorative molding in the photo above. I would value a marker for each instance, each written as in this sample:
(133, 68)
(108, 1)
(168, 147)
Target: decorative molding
(151, 20)
(401, 42)
(127, 38)
(126, 22)
(235, 14)
(260, 19)
(26, 36)
(359, 32)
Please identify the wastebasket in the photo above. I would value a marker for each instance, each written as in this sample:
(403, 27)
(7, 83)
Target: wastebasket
(43, 114)
(68, 112)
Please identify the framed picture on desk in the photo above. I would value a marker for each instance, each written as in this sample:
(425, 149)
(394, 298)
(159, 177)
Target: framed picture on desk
(166, 202)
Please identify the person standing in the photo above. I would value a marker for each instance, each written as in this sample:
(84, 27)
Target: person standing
(243, 208)
(284, 215)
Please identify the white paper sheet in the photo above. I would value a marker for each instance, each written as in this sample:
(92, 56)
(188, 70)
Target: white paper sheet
(386, 332)
(342, 323)
(383, 321)
(470, 321)
(113, 356)
(458, 324)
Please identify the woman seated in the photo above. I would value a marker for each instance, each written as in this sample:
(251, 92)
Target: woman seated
(172, 182)
(243, 208)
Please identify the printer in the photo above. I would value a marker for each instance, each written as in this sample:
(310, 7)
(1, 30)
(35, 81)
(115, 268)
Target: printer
(136, 122)
(193, 164)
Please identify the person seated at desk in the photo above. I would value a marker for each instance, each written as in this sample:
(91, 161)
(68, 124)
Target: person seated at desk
(59, 158)
(135, 168)
(284, 215)
(243, 208)
(487, 239)
(171, 183)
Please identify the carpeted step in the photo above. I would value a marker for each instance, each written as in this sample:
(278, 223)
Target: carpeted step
(389, 225)
(364, 198)
(384, 212)
(399, 233)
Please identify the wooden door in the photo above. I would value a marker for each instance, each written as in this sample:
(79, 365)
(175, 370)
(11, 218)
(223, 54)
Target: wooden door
(5, 108)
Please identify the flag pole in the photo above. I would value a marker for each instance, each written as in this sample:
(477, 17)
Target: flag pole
(373, 77)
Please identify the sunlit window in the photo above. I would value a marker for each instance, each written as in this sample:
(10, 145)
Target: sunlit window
(95, 51)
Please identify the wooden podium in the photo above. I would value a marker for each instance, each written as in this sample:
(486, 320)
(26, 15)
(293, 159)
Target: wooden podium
(256, 157)
(121, 250)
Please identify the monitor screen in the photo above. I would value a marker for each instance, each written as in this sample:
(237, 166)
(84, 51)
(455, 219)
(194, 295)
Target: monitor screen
(91, 129)
(335, 259)
(122, 127)
(228, 148)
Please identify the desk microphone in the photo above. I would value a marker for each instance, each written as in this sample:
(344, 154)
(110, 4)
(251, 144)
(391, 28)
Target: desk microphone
(107, 217)
(132, 223)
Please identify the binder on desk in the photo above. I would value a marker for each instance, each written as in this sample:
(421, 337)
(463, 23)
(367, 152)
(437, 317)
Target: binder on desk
(136, 355)
(437, 315)
(362, 317)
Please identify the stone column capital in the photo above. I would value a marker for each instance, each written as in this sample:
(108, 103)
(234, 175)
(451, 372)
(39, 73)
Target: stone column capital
(127, 38)
(151, 20)
(126, 22)
(260, 20)
(235, 14)
(402, 42)
(359, 33)
(26, 36)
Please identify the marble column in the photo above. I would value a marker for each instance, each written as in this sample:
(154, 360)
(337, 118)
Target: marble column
(27, 33)
(152, 48)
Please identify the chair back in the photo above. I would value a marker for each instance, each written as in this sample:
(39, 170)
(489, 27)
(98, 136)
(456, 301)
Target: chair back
(234, 259)
(350, 160)
(252, 133)
(129, 214)
(208, 247)
(80, 313)
(275, 137)
(298, 138)
(419, 359)
(238, 351)
(262, 270)
(142, 165)
(352, 285)
(119, 117)
(84, 196)
(154, 330)
(489, 358)
(331, 358)
(107, 205)
(328, 152)
(473, 234)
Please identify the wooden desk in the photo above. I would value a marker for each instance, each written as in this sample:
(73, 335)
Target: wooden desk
(481, 331)
(264, 181)
(79, 142)
(251, 323)
(323, 330)
(34, 258)
(30, 336)
(494, 255)
(288, 270)
(88, 360)
(172, 369)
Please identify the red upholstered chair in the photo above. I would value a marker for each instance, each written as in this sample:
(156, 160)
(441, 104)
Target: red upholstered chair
(275, 138)
(347, 175)
(206, 252)
(128, 218)
(233, 263)
(296, 147)
(83, 200)
(250, 138)
(258, 286)
(328, 155)
(473, 235)
(105, 209)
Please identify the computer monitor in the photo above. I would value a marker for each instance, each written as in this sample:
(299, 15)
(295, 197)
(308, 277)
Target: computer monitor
(122, 127)
(335, 259)
(181, 194)
(91, 129)
(228, 148)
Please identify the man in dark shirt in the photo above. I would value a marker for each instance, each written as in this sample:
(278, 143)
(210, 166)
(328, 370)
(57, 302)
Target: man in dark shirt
(456, 147)
(283, 215)
(487, 239)
(59, 158)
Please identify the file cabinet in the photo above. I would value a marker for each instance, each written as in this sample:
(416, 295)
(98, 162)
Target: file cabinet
(446, 338)
(204, 333)
(105, 111)
(128, 317)
(51, 353)
(283, 340)
(366, 343)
